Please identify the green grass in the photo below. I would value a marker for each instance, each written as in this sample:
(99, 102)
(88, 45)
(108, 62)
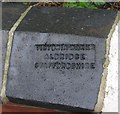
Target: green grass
(83, 4)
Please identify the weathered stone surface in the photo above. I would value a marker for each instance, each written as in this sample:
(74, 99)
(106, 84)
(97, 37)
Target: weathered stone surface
(42, 76)
(60, 20)
(4, 39)
(4, 45)
(10, 13)
(52, 83)
(84, 22)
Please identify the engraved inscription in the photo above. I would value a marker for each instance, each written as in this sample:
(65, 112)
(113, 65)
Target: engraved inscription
(65, 56)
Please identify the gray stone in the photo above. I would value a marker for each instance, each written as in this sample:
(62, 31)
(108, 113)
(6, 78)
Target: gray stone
(49, 82)
(57, 59)
(10, 13)
(3, 47)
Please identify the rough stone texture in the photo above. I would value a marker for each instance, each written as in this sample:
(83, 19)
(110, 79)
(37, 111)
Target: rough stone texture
(10, 13)
(4, 46)
(4, 38)
(56, 88)
(69, 21)
(61, 20)
(73, 87)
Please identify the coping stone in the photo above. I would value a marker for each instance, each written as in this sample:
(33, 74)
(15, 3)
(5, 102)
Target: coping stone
(73, 89)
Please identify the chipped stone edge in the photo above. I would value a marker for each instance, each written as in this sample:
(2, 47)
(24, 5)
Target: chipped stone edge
(101, 95)
(8, 54)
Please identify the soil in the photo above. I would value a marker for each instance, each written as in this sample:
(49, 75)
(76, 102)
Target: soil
(110, 6)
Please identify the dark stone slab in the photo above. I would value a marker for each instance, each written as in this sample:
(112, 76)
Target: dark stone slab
(82, 22)
(59, 20)
(10, 13)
